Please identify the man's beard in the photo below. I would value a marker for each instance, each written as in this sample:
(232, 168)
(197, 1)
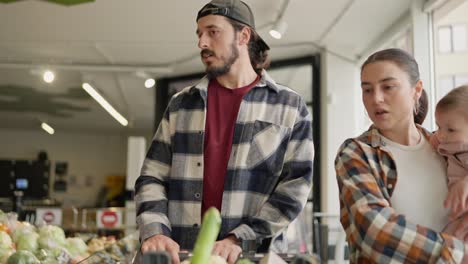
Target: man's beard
(213, 72)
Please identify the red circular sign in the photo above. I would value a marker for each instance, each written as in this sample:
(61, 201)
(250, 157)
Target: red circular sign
(48, 217)
(109, 219)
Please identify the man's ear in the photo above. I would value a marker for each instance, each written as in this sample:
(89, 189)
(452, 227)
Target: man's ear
(244, 35)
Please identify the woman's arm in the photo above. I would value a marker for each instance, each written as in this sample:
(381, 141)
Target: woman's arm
(373, 227)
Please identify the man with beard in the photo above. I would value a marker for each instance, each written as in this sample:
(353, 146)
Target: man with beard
(236, 141)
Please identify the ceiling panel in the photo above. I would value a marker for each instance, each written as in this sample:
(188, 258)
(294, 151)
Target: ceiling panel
(363, 23)
(139, 33)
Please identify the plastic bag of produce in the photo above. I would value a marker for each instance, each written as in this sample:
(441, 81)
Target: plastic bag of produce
(51, 237)
(5, 240)
(45, 256)
(21, 229)
(8, 220)
(76, 246)
(5, 253)
(28, 242)
(130, 243)
(102, 257)
(53, 256)
(22, 257)
(96, 244)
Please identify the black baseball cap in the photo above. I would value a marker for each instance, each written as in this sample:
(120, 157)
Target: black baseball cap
(233, 9)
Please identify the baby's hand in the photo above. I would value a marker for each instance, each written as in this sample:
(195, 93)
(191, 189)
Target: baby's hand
(461, 231)
(457, 199)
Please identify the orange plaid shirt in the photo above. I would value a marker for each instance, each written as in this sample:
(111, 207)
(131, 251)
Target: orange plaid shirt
(366, 175)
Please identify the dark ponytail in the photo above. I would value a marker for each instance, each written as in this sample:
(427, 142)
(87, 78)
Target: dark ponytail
(421, 112)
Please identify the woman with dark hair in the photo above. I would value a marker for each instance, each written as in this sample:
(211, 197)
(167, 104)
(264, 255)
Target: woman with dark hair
(391, 179)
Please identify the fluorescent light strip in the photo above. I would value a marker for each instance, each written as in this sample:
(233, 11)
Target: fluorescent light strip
(91, 91)
(47, 128)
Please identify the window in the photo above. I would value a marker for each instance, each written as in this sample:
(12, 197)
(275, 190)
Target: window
(459, 38)
(447, 83)
(461, 80)
(445, 39)
(452, 38)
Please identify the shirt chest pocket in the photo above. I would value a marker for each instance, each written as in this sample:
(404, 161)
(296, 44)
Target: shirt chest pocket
(267, 146)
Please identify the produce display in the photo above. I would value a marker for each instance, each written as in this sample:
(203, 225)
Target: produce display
(23, 243)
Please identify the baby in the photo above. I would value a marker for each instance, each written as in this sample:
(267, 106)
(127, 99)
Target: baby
(451, 141)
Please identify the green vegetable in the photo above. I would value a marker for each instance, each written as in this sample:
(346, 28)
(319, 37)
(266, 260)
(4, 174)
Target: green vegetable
(21, 229)
(22, 257)
(76, 246)
(5, 253)
(28, 242)
(206, 238)
(51, 237)
(5, 241)
(244, 261)
(46, 257)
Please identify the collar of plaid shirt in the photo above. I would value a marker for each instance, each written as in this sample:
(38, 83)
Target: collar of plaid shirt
(265, 80)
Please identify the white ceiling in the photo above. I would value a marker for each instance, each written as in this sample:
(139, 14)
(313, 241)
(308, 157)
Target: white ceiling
(150, 34)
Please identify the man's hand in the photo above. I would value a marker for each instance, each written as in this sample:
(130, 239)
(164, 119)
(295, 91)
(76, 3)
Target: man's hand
(227, 249)
(457, 199)
(162, 243)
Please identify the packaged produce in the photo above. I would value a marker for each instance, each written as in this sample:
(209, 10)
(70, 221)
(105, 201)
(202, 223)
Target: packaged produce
(28, 242)
(5, 240)
(22, 257)
(51, 237)
(5, 253)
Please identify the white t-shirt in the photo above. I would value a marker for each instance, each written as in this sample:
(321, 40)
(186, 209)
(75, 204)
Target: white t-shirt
(421, 184)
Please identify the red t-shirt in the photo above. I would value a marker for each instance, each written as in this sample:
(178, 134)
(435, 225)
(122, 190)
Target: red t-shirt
(221, 116)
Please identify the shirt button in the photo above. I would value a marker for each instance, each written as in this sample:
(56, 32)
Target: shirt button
(390, 186)
(198, 164)
(383, 143)
(197, 195)
(195, 225)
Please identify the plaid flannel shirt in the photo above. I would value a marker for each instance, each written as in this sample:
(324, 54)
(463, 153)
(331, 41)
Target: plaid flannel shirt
(366, 174)
(269, 174)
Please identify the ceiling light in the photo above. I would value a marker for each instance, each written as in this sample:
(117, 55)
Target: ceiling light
(280, 26)
(279, 29)
(47, 128)
(150, 82)
(108, 107)
(48, 76)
